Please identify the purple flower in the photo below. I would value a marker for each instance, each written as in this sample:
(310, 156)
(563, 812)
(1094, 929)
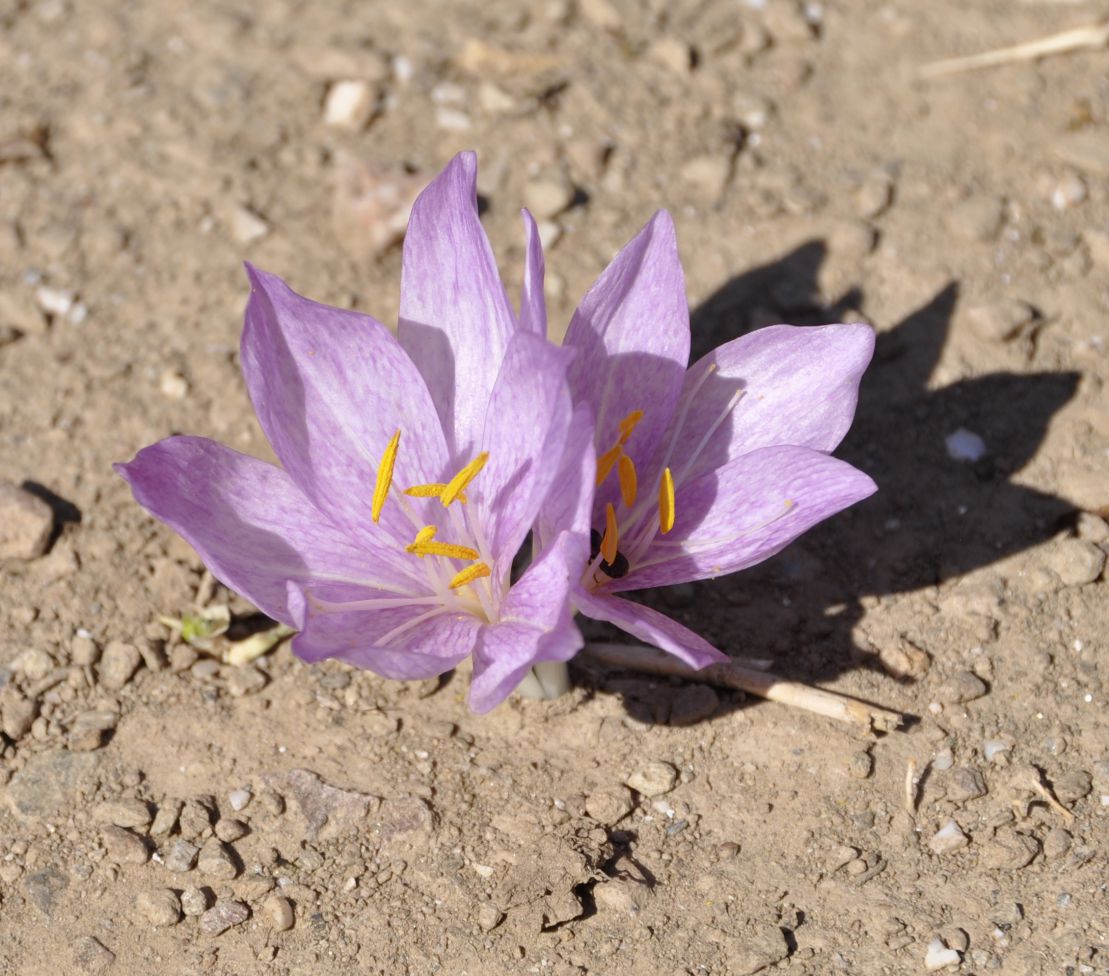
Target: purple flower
(413, 467)
(707, 470)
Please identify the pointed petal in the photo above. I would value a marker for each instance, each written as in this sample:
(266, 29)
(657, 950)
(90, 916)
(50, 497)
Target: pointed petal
(430, 640)
(533, 303)
(455, 318)
(784, 384)
(251, 525)
(525, 433)
(632, 336)
(330, 388)
(569, 504)
(535, 625)
(651, 627)
(745, 512)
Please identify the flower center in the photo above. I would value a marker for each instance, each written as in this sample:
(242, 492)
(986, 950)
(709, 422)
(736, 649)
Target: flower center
(425, 542)
(607, 561)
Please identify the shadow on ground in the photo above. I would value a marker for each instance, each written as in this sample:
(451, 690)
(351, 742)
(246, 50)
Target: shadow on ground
(932, 520)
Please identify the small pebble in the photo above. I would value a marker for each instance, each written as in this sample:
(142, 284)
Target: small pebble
(965, 445)
(839, 856)
(860, 765)
(1072, 786)
(964, 783)
(961, 687)
(230, 830)
(728, 851)
(1076, 562)
(246, 227)
(653, 779)
(54, 301)
(122, 813)
(84, 651)
(218, 860)
(239, 799)
(694, 703)
(751, 110)
(944, 760)
(874, 196)
(940, 956)
(488, 916)
(995, 749)
(18, 715)
(1068, 191)
(89, 730)
(948, 838)
(123, 846)
(672, 53)
(173, 385)
(245, 680)
(159, 907)
(708, 176)
(1057, 843)
(90, 955)
(118, 664)
(1010, 850)
(609, 805)
(26, 523)
(549, 195)
(181, 856)
(194, 901)
(223, 916)
(278, 913)
(1000, 321)
(349, 105)
(166, 817)
(452, 119)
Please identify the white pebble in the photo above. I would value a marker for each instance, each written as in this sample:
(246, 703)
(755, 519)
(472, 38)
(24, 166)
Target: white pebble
(965, 445)
(948, 838)
(54, 301)
(451, 119)
(1068, 192)
(943, 760)
(239, 799)
(939, 956)
(349, 104)
(174, 385)
(247, 226)
(994, 747)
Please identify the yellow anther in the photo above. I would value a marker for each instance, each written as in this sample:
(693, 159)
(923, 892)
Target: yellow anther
(605, 463)
(666, 502)
(384, 476)
(458, 483)
(448, 549)
(629, 483)
(611, 539)
(628, 424)
(434, 490)
(426, 534)
(469, 574)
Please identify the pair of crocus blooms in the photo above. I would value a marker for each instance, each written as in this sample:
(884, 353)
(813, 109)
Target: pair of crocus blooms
(415, 467)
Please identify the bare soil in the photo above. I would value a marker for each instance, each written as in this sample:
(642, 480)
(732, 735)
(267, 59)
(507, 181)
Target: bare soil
(147, 149)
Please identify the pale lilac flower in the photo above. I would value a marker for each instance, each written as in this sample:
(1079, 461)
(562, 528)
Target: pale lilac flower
(413, 468)
(709, 470)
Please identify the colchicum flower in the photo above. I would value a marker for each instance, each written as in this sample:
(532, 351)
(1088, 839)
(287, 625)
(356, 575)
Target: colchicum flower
(709, 470)
(413, 467)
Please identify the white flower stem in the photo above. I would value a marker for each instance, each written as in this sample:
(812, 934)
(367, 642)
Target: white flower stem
(547, 679)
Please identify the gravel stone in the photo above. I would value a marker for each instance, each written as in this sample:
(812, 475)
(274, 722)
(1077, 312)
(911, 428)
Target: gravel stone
(964, 783)
(549, 195)
(653, 779)
(1010, 850)
(239, 799)
(181, 856)
(963, 686)
(122, 813)
(118, 664)
(26, 523)
(160, 907)
(223, 916)
(195, 901)
(1073, 786)
(1057, 843)
(18, 714)
(218, 860)
(948, 838)
(84, 651)
(230, 830)
(89, 730)
(278, 913)
(1076, 561)
(349, 105)
(245, 680)
(489, 916)
(166, 817)
(123, 846)
(610, 805)
(693, 704)
(90, 955)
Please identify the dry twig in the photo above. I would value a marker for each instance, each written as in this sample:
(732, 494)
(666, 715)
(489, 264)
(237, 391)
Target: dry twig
(827, 703)
(1085, 38)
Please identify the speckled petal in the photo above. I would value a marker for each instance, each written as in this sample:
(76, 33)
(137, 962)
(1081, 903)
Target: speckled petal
(651, 627)
(455, 318)
(631, 332)
(250, 523)
(744, 512)
(785, 385)
(330, 388)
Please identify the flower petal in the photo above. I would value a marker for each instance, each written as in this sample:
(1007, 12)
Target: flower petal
(535, 625)
(744, 512)
(455, 318)
(525, 433)
(632, 336)
(431, 640)
(650, 626)
(569, 504)
(330, 388)
(251, 525)
(779, 385)
(533, 303)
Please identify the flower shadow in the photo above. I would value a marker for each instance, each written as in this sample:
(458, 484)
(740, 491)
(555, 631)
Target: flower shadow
(933, 519)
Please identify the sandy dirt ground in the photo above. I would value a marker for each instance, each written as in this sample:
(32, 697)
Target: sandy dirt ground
(164, 812)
